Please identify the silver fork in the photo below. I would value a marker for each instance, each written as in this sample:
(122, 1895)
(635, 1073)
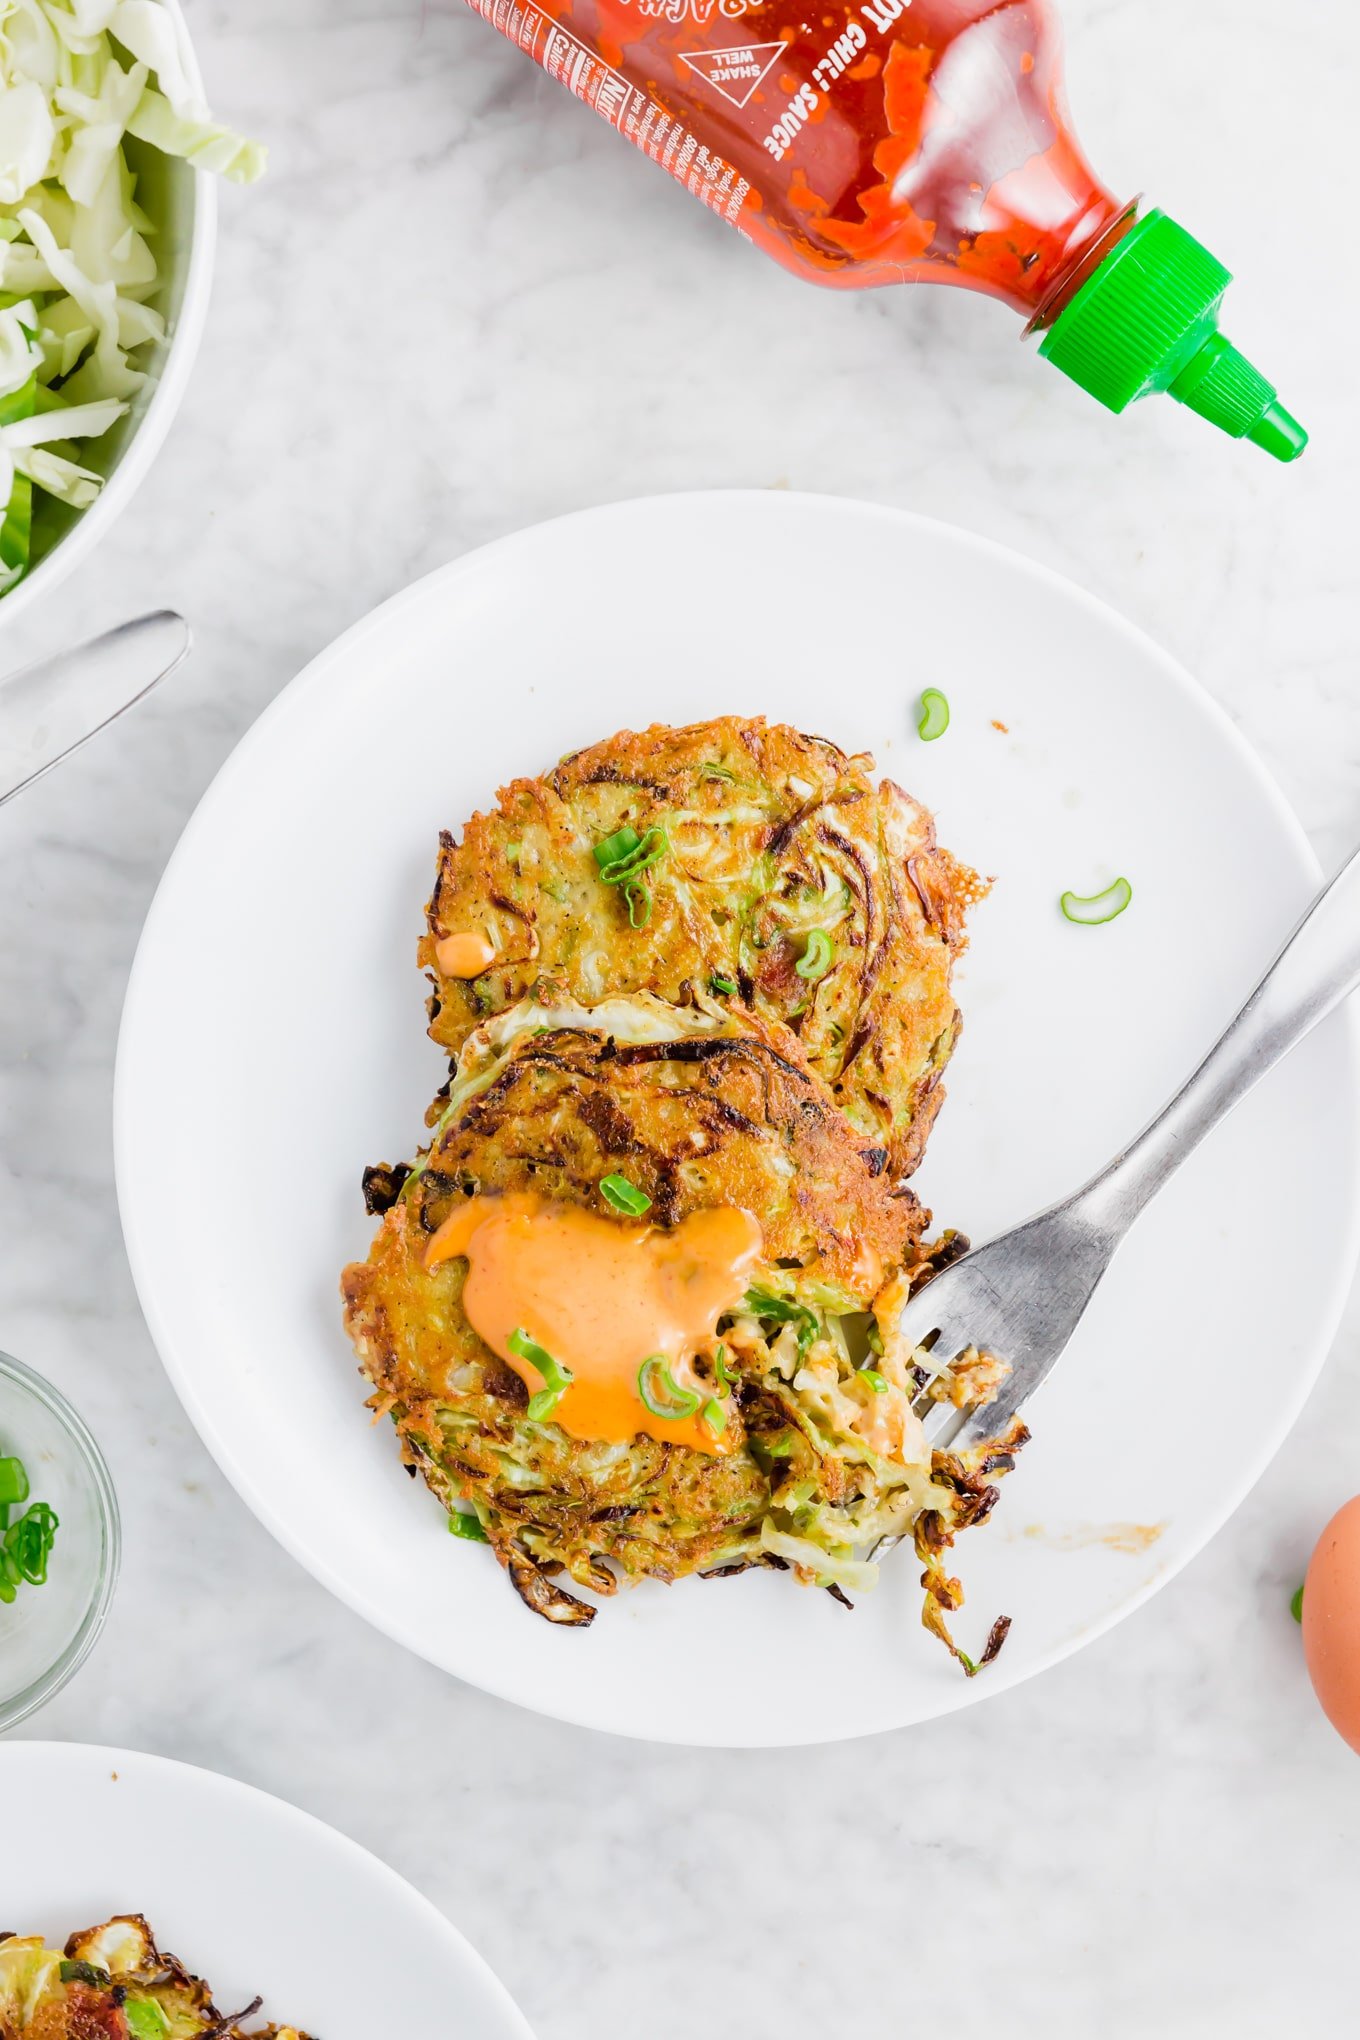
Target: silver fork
(1023, 1294)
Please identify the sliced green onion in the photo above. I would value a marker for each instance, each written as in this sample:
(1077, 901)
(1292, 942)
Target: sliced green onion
(1100, 907)
(780, 1446)
(874, 1379)
(639, 898)
(714, 1415)
(724, 1379)
(726, 986)
(28, 1543)
(873, 1339)
(624, 1196)
(13, 1481)
(1296, 1604)
(934, 717)
(623, 857)
(557, 1379)
(815, 960)
(463, 1523)
(718, 772)
(668, 1399)
(616, 847)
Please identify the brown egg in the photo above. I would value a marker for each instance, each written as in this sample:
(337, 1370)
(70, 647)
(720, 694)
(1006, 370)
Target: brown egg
(1331, 1621)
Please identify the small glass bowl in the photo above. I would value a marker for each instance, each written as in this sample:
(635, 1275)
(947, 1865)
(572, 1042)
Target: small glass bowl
(47, 1632)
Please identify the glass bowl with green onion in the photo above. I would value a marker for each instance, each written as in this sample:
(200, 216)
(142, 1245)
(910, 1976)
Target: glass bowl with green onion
(59, 1541)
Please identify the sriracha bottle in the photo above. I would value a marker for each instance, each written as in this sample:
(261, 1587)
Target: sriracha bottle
(866, 142)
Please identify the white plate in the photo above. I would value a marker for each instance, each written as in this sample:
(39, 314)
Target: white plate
(273, 1044)
(247, 1891)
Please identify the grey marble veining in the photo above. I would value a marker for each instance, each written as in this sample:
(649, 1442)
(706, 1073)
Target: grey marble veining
(458, 305)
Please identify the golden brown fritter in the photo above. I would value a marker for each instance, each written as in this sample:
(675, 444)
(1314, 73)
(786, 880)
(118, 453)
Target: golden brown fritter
(113, 1983)
(715, 1117)
(709, 1118)
(774, 851)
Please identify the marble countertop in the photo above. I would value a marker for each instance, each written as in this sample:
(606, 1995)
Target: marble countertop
(459, 305)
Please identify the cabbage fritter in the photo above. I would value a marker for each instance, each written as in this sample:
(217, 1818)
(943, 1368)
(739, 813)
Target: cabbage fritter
(769, 869)
(112, 1983)
(701, 1109)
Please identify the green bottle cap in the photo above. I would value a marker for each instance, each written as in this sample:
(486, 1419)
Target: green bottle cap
(1146, 319)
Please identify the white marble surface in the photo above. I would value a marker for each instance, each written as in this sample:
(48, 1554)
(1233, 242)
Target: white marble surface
(459, 305)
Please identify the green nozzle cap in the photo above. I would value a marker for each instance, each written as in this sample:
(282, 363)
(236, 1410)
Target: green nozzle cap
(1147, 319)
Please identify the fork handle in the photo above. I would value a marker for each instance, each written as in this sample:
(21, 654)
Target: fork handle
(1318, 966)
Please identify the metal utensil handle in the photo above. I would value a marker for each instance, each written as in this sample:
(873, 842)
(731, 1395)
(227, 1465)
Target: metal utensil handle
(48, 709)
(1318, 966)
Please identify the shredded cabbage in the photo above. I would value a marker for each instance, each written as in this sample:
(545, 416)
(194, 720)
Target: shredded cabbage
(77, 267)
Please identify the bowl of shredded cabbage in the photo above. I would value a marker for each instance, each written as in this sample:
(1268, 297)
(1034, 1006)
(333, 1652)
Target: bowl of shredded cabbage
(108, 155)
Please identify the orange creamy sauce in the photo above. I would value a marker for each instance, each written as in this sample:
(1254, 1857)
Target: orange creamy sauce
(465, 955)
(602, 1297)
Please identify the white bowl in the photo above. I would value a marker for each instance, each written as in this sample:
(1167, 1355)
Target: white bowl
(183, 202)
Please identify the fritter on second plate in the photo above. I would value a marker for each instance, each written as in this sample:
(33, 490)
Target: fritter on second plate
(814, 1449)
(112, 1983)
(739, 858)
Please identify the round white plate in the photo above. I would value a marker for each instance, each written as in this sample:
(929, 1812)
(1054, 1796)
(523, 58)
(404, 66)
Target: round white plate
(273, 1044)
(247, 1891)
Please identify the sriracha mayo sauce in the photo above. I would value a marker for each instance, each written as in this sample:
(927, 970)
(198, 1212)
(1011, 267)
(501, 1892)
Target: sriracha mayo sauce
(867, 142)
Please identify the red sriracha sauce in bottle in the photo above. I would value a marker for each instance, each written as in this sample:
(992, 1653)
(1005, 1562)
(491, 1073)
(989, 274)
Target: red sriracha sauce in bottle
(866, 142)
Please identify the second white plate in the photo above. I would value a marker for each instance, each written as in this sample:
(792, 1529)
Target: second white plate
(273, 1044)
(249, 1892)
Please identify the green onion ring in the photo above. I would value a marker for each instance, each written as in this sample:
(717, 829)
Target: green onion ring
(557, 1379)
(616, 847)
(463, 1523)
(934, 717)
(622, 858)
(624, 1196)
(715, 1416)
(874, 1379)
(28, 1543)
(1100, 907)
(816, 958)
(625, 855)
(639, 898)
(683, 1401)
(13, 1481)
